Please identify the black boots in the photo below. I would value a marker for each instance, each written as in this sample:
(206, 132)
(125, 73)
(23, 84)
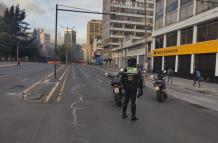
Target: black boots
(124, 116)
(134, 118)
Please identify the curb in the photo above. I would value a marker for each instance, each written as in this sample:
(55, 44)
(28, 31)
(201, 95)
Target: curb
(24, 92)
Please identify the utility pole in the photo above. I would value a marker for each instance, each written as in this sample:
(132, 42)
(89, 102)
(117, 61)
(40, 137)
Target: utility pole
(17, 49)
(146, 49)
(56, 20)
(67, 46)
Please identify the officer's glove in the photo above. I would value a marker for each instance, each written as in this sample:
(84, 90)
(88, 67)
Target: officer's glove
(140, 93)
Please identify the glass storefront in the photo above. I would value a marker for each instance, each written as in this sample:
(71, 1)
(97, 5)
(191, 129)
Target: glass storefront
(184, 65)
(169, 62)
(157, 65)
(206, 64)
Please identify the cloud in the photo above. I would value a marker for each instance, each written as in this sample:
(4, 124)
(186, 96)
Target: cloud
(2, 8)
(32, 6)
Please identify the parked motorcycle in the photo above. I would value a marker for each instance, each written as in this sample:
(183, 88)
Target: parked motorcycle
(117, 88)
(160, 87)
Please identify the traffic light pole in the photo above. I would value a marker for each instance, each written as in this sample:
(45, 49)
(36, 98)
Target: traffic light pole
(56, 20)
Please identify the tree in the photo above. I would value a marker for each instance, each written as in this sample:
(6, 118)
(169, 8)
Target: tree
(62, 52)
(12, 28)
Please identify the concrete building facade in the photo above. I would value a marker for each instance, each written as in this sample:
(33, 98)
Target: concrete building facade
(185, 37)
(94, 28)
(44, 39)
(132, 48)
(69, 37)
(128, 21)
(70, 42)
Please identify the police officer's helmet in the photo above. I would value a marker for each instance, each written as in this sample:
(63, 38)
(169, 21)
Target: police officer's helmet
(131, 62)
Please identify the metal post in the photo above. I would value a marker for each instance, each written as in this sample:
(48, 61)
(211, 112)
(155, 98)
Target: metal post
(17, 50)
(146, 48)
(56, 20)
(67, 47)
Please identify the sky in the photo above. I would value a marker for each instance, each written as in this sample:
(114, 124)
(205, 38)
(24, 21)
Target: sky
(41, 14)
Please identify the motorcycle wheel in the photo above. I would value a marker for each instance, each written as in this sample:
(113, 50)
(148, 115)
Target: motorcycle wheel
(165, 95)
(159, 96)
(118, 100)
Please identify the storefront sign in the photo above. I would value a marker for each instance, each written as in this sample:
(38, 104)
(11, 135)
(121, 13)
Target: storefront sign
(198, 48)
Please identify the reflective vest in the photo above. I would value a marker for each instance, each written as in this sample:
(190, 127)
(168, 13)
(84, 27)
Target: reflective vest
(131, 73)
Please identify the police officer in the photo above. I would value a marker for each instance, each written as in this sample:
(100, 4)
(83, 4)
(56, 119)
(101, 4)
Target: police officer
(133, 84)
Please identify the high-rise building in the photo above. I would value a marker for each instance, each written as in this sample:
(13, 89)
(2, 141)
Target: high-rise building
(185, 37)
(44, 39)
(69, 37)
(128, 21)
(94, 28)
(70, 41)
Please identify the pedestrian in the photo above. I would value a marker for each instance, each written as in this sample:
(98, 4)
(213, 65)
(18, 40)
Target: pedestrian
(141, 68)
(18, 62)
(197, 77)
(133, 86)
(170, 73)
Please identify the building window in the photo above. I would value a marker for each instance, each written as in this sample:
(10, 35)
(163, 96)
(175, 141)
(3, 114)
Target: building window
(187, 36)
(171, 39)
(140, 27)
(171, 5)
(140, 34)
(205, 5)
(159, 42)
(186, 9)
(129, 26)
(208, 31)
(171, 11)
(159, 14)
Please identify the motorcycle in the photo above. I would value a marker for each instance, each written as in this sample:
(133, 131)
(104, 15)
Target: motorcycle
(117, 88)
(160, 87)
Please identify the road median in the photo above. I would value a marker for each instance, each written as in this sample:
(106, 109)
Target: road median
(39, 89)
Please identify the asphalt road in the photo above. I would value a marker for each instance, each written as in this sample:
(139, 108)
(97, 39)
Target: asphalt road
(87, 114)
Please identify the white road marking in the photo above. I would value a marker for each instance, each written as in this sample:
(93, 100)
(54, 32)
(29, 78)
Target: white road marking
(99, 81)
(1, 76)
(55, 87)
(11, 93)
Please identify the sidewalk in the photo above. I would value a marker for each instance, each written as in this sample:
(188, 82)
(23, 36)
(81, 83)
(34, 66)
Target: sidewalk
(13, 63)
(206, 88)
(6, 64)
(206, 96)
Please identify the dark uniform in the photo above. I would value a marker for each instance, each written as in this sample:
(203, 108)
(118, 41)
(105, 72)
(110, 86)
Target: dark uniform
(133, 84)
